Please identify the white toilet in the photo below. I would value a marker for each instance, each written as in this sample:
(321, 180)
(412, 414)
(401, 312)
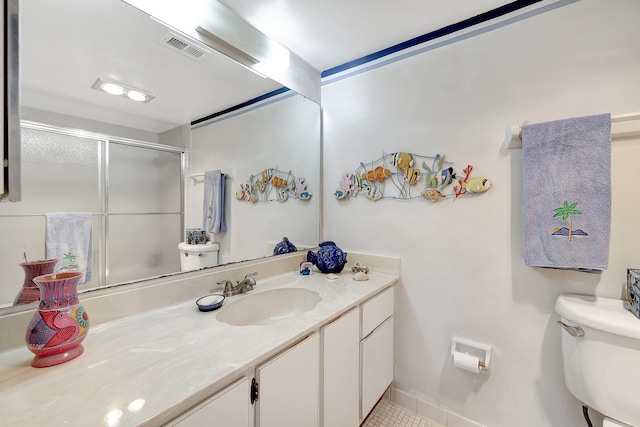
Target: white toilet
(195, 257)
(601, 356)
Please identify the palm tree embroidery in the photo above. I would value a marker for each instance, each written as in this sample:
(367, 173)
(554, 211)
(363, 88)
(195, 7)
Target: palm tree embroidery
(71, 259)
(565, 212)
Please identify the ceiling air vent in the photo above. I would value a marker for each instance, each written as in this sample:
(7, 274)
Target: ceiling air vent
(183, 46)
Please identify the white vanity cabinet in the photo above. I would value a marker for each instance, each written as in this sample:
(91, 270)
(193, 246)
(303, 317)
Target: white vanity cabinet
(332, 378)
(376, 350)
(230, 408)
(341, 370)
(289, 387)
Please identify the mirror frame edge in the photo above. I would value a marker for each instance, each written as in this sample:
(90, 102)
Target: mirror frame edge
(11, 109)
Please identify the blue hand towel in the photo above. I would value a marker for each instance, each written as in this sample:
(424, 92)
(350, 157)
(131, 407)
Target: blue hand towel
(213, 215)
(567, 193)
(68, 238)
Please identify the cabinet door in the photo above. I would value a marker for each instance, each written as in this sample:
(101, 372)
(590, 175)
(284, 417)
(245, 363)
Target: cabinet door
(229, 408)
(289, 387)
(341, 373)
(376, 310)
(377, 365)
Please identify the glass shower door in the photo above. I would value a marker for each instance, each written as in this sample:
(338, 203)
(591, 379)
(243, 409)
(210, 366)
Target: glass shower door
(144, 212)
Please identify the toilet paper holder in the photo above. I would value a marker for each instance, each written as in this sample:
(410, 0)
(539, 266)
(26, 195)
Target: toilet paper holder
(479, 350)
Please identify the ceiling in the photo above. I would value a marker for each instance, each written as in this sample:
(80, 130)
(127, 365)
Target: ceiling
(331, 32)
(65, 45)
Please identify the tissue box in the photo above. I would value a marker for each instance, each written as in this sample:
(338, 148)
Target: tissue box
(632, 300)
(196, 236)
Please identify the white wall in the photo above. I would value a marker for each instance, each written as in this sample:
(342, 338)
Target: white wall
(284, 134)
(463, 271)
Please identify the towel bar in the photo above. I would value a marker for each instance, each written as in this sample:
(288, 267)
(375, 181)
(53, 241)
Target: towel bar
(226, 172)
(513, 134)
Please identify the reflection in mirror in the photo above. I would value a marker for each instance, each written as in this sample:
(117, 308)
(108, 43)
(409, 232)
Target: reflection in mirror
(213, 23)
(122, 161)
(245, 145)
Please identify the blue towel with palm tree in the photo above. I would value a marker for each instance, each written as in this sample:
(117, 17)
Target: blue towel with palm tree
(567, 193)
(214, 220)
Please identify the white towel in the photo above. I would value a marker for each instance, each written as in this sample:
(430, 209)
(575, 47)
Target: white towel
(68, 238)
(213, 218)
(567, 193)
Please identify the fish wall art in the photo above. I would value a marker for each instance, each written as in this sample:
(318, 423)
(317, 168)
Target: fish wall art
(273, 184)
(404, 175)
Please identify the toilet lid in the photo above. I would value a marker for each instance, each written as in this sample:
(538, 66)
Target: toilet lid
(603, 314)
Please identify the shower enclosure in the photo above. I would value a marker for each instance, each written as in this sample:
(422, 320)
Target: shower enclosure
(133, 190)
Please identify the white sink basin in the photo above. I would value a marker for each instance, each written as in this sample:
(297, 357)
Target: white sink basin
(263, 308)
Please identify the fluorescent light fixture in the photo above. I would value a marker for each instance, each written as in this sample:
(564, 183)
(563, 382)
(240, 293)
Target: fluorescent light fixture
(119, 89)
(242, 58)
(277, 62)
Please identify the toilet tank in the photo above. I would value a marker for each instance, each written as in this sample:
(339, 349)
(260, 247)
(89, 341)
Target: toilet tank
(602, 368)
(195, 257)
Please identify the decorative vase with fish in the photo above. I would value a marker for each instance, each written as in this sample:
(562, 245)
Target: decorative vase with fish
(57, 329)
(29, 291)
(329, 259)
(284, 247)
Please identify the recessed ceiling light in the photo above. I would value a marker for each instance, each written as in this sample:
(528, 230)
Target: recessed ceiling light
(136, 96)
(112, 88)
(119, 89)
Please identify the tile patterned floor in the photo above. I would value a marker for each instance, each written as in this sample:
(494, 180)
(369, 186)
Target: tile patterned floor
(387, 414)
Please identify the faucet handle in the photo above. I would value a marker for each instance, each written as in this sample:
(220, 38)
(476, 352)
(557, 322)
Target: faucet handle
(227, 284)
(229, 290)
(250, 280)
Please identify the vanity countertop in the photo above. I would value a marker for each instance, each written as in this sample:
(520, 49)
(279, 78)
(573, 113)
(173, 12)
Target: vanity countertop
(151, 367)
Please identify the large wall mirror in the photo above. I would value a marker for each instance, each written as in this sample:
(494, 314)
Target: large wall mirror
(135, 165)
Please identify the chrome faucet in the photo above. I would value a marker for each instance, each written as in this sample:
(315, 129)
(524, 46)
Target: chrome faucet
(242, 286)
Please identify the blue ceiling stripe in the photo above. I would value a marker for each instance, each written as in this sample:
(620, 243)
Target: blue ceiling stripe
(478, 19)
(244, 104)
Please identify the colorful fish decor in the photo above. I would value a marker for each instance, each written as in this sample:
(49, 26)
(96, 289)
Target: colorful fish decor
(432, 194)
(304, 195)
(266, 175)
(301, 184)
(245, 192)
(282, 195)
(402, 160)
(411, 175)
(477, 185)
(473, 185)
(378, 174)
(372, 193)
(346, 184)
(404, 176)
(272, 184)
(445, 177)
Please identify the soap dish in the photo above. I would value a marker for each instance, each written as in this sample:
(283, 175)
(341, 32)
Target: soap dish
(210, 302)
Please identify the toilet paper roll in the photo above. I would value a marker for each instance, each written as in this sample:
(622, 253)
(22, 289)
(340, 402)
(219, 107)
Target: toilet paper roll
(466, 362)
